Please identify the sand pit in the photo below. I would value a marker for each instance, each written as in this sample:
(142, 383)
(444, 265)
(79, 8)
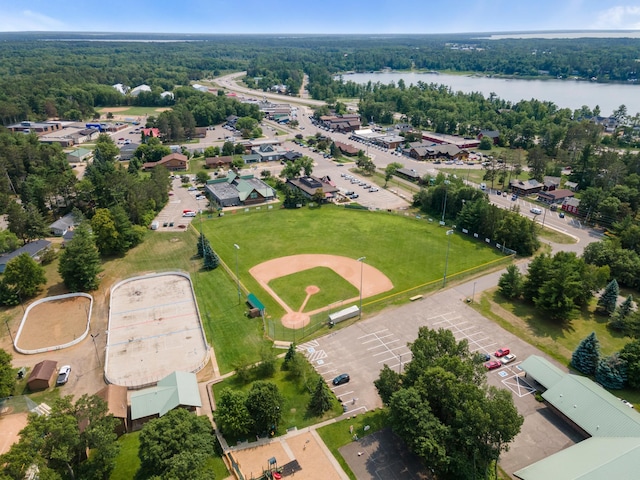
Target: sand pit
(53, 323)
(374, 281)
(10, 426)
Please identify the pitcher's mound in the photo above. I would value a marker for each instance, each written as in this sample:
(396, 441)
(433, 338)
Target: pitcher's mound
(295, 320)
(312, 290)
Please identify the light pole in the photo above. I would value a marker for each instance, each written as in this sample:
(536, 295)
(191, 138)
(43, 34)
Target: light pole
(446, 261)
(444, 206)
(544, 216)
(94, 336)
(361, 260)
(235, 245)
(473, 295)
(6, 322)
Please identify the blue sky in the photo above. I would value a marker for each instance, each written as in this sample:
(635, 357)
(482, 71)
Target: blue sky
(324, 16)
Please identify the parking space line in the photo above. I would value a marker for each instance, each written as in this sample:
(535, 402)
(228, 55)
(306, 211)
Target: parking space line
(374, 333)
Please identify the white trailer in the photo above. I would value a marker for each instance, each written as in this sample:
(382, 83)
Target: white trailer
(154, 225)
(344, 314)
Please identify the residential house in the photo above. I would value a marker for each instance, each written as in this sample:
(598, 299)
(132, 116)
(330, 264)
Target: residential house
(173, 162)
(573, 186)
(79, 155)
(291, 156)
(346, 149)
(115, 396)
(127, 152)
(550, 183)
(251, 158)
(525, 187)
(62, 225)
(43, 375)
(310, 185)
(571, 205)
(139, 89)
(176, 390)
(233, 191)
(555, 197)
(218, 162)
(494, 135)
(32, 248)
(268, 153)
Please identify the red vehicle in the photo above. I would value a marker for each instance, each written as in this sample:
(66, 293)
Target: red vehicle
(493, 364)
(501, 352)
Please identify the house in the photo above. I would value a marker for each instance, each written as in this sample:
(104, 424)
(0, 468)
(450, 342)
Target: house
(291, 156)
(43, 375)
(571, 205)
(310, 185)
(550, 183)
(234, 191)
(79, 155)
(115, 396)
(525, 187)
(428, 152)
(62, 225)
(127, 152)
(32, 248)
(611, 429)
(139, 89)
(218, 162)
(173, 161)
(176, 390)
(268, 153)
(251, 158)
(494, 135)
(555, 196)
(346, 149)
(573, 186)
(408, 173)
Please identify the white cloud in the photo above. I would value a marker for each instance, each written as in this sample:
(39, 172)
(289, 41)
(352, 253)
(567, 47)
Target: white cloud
(27, 20)
(619, 17)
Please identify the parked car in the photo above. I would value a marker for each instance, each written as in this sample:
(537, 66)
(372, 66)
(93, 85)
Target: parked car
(374, 189)
(561, 214)
(508, 358)
(341, 379)
(493, 364)
(501, 352)
(514, 197)
(63, 375)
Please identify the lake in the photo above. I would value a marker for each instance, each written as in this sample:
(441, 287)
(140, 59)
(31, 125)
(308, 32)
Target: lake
(571, 94)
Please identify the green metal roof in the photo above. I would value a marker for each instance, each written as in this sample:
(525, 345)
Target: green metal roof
(542, 370)
(174, 390)
(255, 303)
(592, 408)
(592, 459)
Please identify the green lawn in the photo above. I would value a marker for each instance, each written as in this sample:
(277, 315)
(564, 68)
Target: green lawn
(127, 462)
(558, 339)
(409, 251)
(135, 111)
(337, 435)
(333, 288)
(475, 175)
(296, 396)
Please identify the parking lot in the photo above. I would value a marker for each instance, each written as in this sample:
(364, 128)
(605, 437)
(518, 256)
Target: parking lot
(361, 350)
(180, 199)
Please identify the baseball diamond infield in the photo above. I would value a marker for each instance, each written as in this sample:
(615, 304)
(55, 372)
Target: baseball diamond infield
(374, 281)
(154, 329)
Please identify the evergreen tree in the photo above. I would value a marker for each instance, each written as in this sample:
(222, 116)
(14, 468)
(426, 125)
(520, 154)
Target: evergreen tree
(585, 357)
(321, 400)
(537, 274)
(289, 357)
(612, 372)
(80, 261)
(202, 241)
(511, 282)
(211, 260)
(619, 318)
(609, 298)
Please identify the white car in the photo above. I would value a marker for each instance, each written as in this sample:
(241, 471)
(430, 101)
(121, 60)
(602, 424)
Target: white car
(63, 375)
(508, 358)
(536, 211)
(373, 189)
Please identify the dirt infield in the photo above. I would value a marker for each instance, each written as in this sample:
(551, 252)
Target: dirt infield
(10, 426)
(374, 281)
(54, 323)
(305, 448)
(154, 329)
(114, 109)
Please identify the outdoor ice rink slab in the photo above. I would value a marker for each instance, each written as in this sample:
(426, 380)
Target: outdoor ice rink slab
(154, 329)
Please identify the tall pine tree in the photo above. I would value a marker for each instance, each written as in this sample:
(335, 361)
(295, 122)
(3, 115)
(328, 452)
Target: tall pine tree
(609, 298)
(80, 261)
(585, 358)
(612, 372)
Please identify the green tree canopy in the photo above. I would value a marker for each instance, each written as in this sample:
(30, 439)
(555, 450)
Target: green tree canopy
(586, 356)
(80, 261)
(7, 376)
(24, 276)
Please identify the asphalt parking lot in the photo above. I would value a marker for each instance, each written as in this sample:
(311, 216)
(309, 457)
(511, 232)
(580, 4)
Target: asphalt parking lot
(180, 199)
(362, 349)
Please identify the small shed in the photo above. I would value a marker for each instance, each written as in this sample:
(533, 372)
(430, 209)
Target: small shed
(42, 375)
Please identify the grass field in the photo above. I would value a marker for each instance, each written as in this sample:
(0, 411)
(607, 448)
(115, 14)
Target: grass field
(296, 397)
(134, 111)
(410, 252)
(333, 288)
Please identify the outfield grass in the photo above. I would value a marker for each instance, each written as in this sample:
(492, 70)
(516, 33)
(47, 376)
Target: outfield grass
(410, 252)
(134, 111)
(333, 288)
(337, 435)
(296, 397)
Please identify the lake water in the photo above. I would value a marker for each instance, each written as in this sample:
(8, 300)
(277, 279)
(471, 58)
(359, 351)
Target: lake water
(571, 94)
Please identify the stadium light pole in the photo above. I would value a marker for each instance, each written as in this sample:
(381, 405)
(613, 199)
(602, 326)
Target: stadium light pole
(235, 245)
(361, 260)
(446, 261)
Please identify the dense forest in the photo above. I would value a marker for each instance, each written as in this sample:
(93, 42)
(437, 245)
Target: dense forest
(68, 75)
